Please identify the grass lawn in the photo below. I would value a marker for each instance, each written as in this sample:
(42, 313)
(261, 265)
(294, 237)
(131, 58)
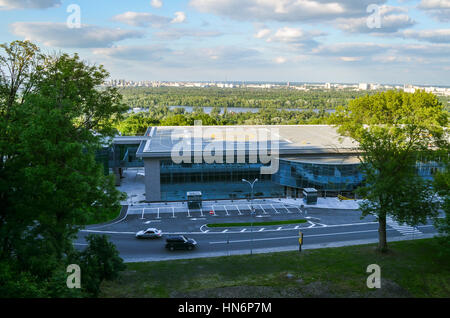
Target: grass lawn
(256, 223)
(409, 269)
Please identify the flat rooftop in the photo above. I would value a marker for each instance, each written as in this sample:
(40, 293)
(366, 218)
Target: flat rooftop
(289, 139)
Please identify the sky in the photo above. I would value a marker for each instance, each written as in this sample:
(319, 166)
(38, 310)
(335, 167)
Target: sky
(336, 41)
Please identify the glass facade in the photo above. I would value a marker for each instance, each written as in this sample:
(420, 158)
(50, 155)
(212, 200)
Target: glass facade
(321, 176)
(215, 181)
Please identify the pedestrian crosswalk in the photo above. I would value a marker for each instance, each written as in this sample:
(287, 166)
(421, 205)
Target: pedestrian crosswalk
(403, 229)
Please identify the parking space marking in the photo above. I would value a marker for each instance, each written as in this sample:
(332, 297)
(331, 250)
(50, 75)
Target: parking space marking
(173, 213)
(226, 210)
(201, 212)
(261, 229)
(279, 228)
(243, 230)
(239, 211)
(189, 214)
(158, 217)
(224, 231)
(276, 211)
(264, 211)
(142, 216)
(287, 209)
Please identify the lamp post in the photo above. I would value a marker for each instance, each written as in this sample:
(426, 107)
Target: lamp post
(251, 212)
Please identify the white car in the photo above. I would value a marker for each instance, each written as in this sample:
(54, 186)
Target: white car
(149, 233)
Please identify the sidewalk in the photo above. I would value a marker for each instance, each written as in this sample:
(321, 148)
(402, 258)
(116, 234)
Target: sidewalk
(327, 203)
(322, 203)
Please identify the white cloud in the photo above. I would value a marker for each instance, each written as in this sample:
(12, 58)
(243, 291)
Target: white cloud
(141, 19)
(280, 60)
(439, 9)
(176, 33)
(59, 35)
(156, 4)
(135, 53)
(433, 36)
(295, 38)
(263, 33)
(180, 17)
(28, 4)
(390, 21)
(285, 10)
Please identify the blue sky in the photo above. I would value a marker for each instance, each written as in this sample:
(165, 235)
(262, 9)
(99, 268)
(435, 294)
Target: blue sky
(246, 40)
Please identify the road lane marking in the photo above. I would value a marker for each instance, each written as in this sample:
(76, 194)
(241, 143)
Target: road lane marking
(292, 237)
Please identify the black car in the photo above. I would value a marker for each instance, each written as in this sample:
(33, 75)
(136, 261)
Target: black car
(180, 243)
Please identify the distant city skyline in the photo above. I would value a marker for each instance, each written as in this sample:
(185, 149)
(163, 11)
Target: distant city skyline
(314, 41)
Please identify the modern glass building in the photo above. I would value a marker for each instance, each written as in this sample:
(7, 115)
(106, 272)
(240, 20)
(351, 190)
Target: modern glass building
(214, 160)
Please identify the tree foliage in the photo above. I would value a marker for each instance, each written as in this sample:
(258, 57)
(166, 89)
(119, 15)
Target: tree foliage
(395, 131)
(53, 119)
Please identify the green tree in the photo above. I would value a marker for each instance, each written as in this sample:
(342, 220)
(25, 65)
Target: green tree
(98, 262)
(442, 186)
(53, 119)
(394, 131)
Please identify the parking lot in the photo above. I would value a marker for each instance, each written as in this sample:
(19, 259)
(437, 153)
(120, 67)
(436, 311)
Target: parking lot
(214, 210)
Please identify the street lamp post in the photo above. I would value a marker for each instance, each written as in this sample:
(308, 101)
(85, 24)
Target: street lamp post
(252, 212)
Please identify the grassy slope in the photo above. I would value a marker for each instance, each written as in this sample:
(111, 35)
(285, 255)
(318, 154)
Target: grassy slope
(411, 268)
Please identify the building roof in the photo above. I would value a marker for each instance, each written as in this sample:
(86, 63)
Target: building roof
(291, 140)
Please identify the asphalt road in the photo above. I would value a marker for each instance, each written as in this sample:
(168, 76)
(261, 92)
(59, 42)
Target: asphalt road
(325, 228)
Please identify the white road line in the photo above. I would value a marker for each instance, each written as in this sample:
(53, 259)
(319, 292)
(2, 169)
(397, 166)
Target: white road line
(243, 230)
(276, 211)
(189, 214)
(279, 228)
(108, 232)
(292, 237)
(142, 216)
(403, 229)
(261, 229)
(239, 211)
(262, 209)
(287, 209)
(158, 217)
(296, 228)
(225, 231)
(201, 212)
(226, 210)
(173, 213)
